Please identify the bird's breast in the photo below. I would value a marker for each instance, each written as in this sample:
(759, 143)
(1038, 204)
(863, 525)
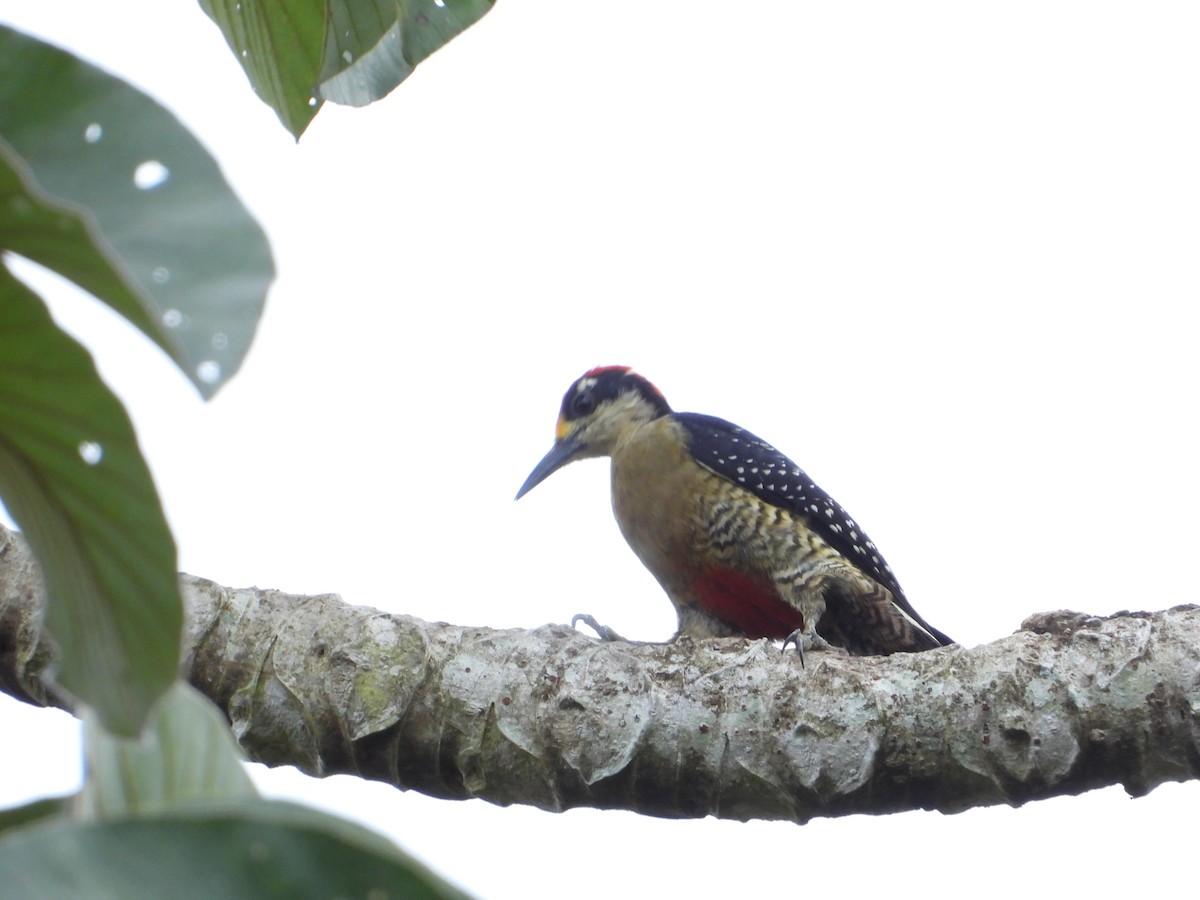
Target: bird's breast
(662, 500)
(654, 497)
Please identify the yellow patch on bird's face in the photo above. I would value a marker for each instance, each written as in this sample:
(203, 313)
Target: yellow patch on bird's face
(563, 428)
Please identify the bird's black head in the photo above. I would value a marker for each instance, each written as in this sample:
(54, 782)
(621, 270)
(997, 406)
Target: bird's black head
(607, 383)
(596, 410)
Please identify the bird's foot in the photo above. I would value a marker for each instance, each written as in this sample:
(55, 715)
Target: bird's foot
(605, 633)
(810, 641)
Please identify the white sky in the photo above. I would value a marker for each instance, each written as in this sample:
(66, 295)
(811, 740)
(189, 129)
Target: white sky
(941, 254)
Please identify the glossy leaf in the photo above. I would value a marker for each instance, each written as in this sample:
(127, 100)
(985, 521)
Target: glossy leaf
(73, 477)
(258, 850)
(149, 224)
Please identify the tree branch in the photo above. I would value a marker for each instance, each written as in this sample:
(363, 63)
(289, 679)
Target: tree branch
(730, 728)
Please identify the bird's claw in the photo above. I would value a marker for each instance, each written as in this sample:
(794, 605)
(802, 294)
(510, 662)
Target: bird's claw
(605, 633)
(797, 638)
(808, 641)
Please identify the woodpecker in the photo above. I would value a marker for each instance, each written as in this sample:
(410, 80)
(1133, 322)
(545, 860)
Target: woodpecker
(740, 538)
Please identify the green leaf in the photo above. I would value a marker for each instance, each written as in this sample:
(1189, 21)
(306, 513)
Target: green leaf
(148, 223)
(73, 478)
(62, 239)
(279, 47)
(373, 45)
(257, 850)
(349, 51)
(185, 755)
(357, 43)
(20, 816)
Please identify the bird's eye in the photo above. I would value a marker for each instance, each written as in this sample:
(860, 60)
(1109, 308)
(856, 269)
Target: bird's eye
(583, 404)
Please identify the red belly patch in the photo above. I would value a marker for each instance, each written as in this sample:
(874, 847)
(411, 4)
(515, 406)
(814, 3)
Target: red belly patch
(748, 603)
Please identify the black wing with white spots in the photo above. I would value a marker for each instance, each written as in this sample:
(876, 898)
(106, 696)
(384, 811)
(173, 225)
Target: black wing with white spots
(751, 462)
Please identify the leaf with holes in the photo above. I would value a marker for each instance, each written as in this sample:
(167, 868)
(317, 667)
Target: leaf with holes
(53, 234)
(73, 478)
(148, 223)
(279, 47)
(351, 52)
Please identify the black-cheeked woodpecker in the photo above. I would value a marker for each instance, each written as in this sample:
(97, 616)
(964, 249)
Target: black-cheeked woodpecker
(740, 538)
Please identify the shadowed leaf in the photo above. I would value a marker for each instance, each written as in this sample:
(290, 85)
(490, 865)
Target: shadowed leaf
(257, 850)
(373, 45)
(186, 754)
(73, 478)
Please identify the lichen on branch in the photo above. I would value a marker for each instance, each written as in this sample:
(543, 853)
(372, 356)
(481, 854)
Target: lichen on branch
(729, 727)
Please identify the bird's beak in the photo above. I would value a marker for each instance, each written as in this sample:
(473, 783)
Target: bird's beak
(564, 451)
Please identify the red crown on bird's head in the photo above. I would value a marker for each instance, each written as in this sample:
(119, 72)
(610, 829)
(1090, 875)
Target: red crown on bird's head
(600, 370)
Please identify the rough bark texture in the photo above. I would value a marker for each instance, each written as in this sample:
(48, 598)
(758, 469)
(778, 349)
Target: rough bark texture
(729, 728)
